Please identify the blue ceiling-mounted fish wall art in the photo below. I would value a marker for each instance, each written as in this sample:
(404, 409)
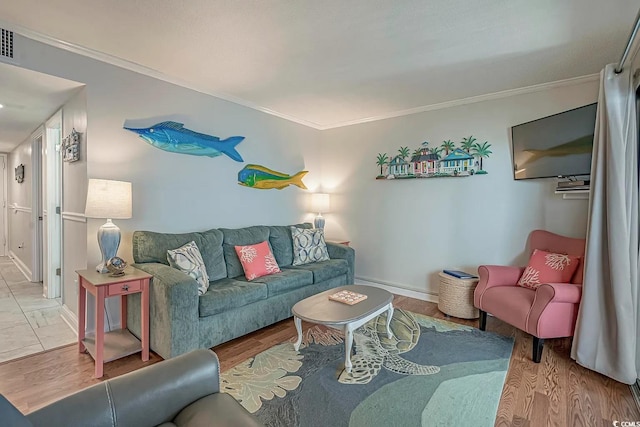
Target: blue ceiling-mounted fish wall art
(263, 178)
(175, 138)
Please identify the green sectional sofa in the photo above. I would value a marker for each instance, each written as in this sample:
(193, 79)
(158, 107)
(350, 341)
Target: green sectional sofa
(182, 321)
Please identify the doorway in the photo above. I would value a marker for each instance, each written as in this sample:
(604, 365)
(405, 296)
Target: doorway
(4, 231)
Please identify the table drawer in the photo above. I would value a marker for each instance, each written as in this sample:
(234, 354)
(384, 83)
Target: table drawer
(124, 288)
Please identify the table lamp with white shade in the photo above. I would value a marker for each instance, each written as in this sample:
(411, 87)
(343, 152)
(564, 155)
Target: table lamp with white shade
(319, 203)
(111, 200)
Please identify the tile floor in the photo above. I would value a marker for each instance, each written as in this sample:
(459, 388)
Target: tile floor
(29, 323)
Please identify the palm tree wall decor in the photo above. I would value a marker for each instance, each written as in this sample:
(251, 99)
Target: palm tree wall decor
(467, 143)
(447, 146)
(382, 160)
(458, 162)
(482, 151)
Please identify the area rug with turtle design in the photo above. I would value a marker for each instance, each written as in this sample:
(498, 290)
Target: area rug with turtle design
(430, 373)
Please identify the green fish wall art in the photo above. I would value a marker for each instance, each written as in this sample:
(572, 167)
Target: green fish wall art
(262, 178)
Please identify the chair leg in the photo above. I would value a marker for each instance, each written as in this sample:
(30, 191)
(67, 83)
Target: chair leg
(482, 323)
(538, 345)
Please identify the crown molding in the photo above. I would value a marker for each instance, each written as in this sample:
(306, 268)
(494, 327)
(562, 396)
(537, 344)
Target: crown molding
(471, 100)
(141, 69)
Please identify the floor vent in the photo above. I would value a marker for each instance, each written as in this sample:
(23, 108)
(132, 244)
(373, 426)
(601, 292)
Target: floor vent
(6, 44)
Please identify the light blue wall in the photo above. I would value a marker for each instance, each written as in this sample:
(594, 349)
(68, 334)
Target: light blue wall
(406, 231)
(174, 192)
(171, 192)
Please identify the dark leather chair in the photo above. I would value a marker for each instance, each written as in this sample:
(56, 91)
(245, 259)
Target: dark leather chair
(183, 391)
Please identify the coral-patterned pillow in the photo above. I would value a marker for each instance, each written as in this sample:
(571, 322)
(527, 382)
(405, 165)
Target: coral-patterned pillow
(257, 260)
(548, 267)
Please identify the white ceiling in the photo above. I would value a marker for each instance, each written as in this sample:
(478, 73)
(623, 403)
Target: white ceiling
(330, 62)
(29, 99)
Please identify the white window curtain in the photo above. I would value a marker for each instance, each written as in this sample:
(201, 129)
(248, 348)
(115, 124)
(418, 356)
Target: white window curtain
(606, 337)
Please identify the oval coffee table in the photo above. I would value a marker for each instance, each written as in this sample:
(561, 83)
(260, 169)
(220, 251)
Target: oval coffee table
(321, 310)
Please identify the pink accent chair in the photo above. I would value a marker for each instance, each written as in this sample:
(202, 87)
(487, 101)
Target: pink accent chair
(549, 311)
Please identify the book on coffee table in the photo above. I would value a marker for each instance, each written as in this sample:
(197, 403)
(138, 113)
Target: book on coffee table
(347, 297)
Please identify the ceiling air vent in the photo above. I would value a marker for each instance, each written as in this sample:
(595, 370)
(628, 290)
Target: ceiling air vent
(6, 44)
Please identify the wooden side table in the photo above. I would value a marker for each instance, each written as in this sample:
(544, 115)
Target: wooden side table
(119, 343)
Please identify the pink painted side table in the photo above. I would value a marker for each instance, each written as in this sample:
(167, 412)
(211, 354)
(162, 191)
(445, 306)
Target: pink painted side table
(105, 347)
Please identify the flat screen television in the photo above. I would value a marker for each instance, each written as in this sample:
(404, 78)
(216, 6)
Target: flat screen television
(554, 146)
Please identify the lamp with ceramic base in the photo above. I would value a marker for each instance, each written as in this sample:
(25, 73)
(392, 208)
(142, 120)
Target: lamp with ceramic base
(319, 203)
(111, 200)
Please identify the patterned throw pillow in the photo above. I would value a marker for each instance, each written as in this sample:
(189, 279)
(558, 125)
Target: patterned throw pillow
(547, 267)
(187, 259)
(257, 260)
(308, 246)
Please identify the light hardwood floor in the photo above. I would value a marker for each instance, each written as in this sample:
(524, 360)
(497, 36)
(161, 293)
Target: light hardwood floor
(555, 392)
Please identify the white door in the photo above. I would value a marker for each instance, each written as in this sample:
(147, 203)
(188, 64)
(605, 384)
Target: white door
(52, 224)
(43, 203)
(3, 206)
(36, 210)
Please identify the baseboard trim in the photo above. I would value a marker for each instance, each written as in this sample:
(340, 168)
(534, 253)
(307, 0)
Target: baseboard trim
(21, 265)
(397, 289)
(70, 318)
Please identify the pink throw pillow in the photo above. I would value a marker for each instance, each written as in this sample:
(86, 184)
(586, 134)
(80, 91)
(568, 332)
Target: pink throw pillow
(547, 267)
(257, 260)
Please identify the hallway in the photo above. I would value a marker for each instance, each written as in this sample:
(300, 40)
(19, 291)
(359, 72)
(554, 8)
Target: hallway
(29, 323)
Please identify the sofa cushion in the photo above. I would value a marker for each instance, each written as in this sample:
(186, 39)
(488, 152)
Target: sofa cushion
(286, 281)
(257, 260)
(282, 243)
(188, 259)
(324, 270)
(240, 237)
(152, 247)
(509, 303)
(548, 267)
(227, 294)
(308, 246)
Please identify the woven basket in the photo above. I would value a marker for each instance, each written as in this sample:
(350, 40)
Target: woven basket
(455, 297)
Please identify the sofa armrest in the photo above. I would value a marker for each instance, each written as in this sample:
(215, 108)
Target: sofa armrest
(558, 292)
(544, 321)
(344, 252)
(173, 311)
(146, 397)
(495, 275)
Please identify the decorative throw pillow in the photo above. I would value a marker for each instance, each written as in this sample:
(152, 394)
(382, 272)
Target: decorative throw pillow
(187, 259)
(547, 267)
(308, 246)
(257, 260)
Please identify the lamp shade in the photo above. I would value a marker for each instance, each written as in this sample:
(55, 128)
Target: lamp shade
(108, 199)
(320, 202)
